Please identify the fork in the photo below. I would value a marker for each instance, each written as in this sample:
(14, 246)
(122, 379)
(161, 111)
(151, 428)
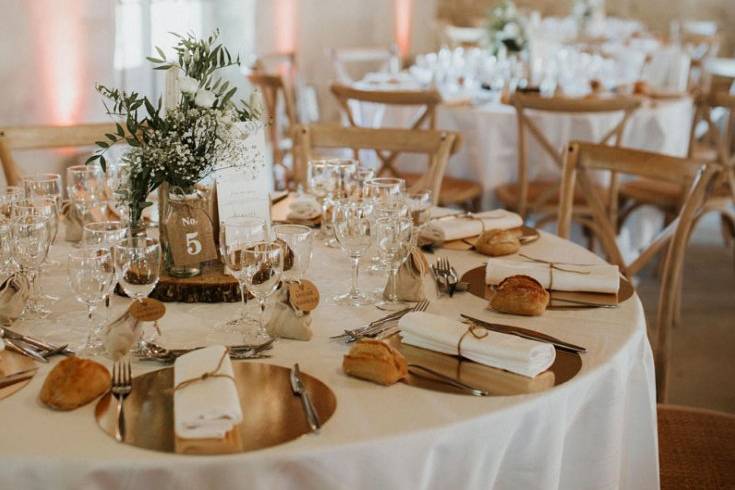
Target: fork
(444, 269)
(381, 331)
(122, 385)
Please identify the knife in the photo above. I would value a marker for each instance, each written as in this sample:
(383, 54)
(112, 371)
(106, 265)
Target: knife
(508, 329)
(297, 386)
(26, 351)
(11, 379)
(10, 334)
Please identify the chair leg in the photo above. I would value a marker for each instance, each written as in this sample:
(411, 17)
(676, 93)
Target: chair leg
(476, 204)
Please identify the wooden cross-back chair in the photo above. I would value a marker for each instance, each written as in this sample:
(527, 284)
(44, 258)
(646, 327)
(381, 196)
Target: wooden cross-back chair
(274, 87)
(345, 60)
(453, 191)
(437, 145)
(45, 137)
(541, 196)
(701, 47)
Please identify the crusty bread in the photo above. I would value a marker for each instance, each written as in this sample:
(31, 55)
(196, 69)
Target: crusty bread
(498, 242)
(74, 382)
(520, 295)
(375, 361)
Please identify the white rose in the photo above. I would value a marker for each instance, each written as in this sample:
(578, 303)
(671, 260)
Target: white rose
(187, 84)
(204, 98)
(510, 30)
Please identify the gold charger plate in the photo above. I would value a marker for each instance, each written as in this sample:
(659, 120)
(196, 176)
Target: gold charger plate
(526, 234)
(11, 363)
(495, 381)
(565, 299)
(272, 414)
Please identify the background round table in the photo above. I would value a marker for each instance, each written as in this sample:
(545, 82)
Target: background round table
(596, 431)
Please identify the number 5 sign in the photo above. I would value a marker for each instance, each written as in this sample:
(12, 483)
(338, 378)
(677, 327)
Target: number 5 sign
(190, 236)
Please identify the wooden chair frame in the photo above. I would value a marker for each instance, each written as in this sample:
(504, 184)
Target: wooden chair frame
(524, 102)
(438, 145)
(45, 137)
(429, 99)
(341, 57)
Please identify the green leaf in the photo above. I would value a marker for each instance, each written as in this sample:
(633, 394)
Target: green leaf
(103, 163)
(102, 144)
(92, 158)
(163, 67)
(160, 52)
(120, 130)
(111, 136)
(154, 60)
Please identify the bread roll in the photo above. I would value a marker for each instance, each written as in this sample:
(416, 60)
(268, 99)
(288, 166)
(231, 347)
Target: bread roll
(520, 295)
(498, 242)
(375, 361)
(74, 382)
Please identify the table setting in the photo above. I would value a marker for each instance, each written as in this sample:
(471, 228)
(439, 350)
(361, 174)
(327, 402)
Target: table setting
(357, 352)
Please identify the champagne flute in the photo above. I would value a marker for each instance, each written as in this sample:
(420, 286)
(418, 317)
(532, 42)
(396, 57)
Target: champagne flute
(236, 234)
(31, 239)
(299, 240)
(85, 186)
(91, 272)
(138, 268)
(262, 267)
(352, 227)
(395, 239)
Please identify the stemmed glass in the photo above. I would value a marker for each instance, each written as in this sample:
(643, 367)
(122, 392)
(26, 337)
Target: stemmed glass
(362, 175)
(118, 178)
(395, 239)
(85, 186)
(384, 188)
(352, 227)
(44, 185)
(419, 205)
(299, 239)
(104, 235)
(262, 267)
(91, 274)
(138, 268)
(31, 240)
(7, 264)
(318, 185)
(237, 234)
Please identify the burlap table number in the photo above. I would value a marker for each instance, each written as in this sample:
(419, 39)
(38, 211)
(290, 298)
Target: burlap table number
(190, 233)
(410, 278)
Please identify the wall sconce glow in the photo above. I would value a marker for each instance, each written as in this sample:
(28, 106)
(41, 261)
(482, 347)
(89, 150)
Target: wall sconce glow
(403, 10)
(285, 27)
(58, 42)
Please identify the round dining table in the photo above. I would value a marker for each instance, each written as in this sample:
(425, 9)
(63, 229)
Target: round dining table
(596, 431)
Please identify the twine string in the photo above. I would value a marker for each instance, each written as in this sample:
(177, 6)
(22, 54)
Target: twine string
(214, 373)
(554, 266)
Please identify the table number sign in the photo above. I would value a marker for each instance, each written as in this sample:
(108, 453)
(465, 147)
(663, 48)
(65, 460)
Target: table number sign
(190, 236)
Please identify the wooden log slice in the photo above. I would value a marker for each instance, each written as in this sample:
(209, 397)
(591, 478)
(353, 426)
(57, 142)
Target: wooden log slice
(211, 286)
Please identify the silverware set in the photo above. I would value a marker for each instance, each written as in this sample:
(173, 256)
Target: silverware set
(298, 388)
(446, 277)
(32, 347)
(122, 385)
(14, 378)
(380, 328)
(157, 353)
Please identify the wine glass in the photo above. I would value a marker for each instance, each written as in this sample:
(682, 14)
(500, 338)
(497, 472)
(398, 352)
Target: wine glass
(341, 173)
(7, 264)
(384, 188)
(299, 240)
(319, 185)
(262, 267)
(237, 234)
(362, 175)
(352, 227)
(91, 274)
(85, 186)
(395, 239)
(44, 185)
(138, 268)
(31, 238)
(104, 235)
(419, 205)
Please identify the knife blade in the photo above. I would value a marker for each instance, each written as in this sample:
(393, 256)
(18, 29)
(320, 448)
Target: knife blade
(10, 334)
(11, 379)
(297, 386)
(26, 351)
(511, 330)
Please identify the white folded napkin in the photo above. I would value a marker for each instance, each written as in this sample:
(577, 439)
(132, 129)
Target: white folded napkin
(458, 228)
(517, 355)
(205, 408)
(603, 278)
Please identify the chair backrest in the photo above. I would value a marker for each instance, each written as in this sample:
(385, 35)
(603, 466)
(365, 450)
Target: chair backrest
(45, 137)
(584, 158)
(561, 105)
(346, 61)
(283, 63)
(437, 145)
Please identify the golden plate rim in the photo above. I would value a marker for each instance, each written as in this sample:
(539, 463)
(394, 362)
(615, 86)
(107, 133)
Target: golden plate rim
(17, 363)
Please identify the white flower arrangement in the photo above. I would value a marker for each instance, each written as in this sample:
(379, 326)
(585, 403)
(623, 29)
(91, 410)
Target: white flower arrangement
(507, 28)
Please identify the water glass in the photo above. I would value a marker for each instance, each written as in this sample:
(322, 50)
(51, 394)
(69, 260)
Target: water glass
(395, 239)
(103, 234)
(85, 186)
(262, 267)
(342, 175)
(419, 205)
(352, 228)
(384, 188)
(44, 185)
(237, 234)
(299, 240)
(138, 265)
(30, 243)
(91, 275)
(40, 206)
(362, 175)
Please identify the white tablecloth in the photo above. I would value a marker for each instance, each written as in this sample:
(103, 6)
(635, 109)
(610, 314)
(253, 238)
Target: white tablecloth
(597, 431)
(489, 150)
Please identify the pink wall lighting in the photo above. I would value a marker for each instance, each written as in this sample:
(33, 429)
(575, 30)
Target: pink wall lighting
(285, 25)
(403, 10)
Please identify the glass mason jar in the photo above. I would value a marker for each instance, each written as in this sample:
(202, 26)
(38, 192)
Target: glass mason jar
(177, 204)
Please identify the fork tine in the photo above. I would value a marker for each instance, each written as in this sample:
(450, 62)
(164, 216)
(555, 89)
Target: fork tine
(129, 377)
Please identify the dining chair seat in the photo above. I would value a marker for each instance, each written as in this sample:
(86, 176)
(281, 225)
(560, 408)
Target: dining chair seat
(453, 191)
(654, 192)
(508, 194)
(696, 448)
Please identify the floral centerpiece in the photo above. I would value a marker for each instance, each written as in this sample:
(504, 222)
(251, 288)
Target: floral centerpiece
(198, 130)
(587, 13)
(507, 29)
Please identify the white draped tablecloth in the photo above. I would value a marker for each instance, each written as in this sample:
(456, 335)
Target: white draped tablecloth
(489, 152)
(597, 431)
